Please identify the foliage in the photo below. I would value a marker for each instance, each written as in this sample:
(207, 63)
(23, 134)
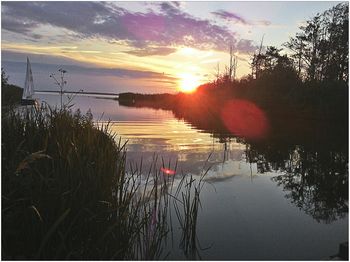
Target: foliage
(67, 195)
(10, 94)
(4, 77)
(321, 48)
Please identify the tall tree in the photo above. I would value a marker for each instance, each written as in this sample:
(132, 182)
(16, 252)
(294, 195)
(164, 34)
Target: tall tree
(271, 62)
(257, 61)
(320, 50)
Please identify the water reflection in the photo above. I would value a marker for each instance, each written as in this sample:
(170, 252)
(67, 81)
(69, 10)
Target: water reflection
(316, 182)
(261, 197)
(314, 170)
(309, 159)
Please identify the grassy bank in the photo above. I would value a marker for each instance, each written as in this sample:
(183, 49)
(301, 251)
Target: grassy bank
(67, 195)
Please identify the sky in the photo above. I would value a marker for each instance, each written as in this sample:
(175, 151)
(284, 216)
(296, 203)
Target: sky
(147, 47)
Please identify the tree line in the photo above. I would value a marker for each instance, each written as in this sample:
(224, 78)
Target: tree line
(307, 77)
(317, 53)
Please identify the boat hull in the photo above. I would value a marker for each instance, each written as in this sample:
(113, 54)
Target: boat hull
(29, 102)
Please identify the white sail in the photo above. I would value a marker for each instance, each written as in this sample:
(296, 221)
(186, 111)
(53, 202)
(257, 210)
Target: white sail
(28, 91)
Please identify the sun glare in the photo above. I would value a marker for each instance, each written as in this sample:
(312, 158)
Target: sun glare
(188, 82)
(187, 51)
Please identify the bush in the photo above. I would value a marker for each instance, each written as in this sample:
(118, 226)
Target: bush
(10, 94)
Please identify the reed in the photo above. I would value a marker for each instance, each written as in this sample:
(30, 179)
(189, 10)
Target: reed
(187, 196)
(67, 194)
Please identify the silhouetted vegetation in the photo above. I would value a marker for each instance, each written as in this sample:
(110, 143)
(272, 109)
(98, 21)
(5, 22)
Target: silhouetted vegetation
(10, 94)
(311, 82)
(67, 195)
(159, 101)
(320, 50)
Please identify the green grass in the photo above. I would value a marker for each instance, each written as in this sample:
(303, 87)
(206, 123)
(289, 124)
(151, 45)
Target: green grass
(66, 193)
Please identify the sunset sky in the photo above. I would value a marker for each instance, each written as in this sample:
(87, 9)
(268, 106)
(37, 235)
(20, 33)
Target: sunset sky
(141, 46)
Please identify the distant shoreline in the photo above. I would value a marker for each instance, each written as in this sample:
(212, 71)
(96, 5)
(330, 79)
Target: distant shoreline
(203, 110)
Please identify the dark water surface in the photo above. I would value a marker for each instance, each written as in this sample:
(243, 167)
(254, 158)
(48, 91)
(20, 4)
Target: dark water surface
(283, 198)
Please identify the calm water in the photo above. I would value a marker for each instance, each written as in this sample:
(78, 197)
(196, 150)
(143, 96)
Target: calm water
(273, 200)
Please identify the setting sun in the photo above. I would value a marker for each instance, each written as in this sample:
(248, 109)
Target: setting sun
(188, 82)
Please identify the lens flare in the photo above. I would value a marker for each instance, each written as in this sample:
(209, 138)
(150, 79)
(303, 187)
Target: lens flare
(244, 118)
(167, 171)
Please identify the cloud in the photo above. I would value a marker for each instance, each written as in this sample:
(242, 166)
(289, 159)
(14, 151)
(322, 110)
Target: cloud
(49, 64)
(230, 16)
(150, 51)
(233, 17)
(16, 56)
(169, 27)
(263, 22)
(176, 3)
(246, 45)
(18, 26)
(170, 7)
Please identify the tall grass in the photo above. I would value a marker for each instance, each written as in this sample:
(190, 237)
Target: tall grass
(66, 193)
(187, 196)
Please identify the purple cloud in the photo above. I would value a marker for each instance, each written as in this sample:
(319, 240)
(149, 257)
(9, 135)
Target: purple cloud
(11, 24)
(230, 16)
(247, 45)
(143, 28)
(168, 28)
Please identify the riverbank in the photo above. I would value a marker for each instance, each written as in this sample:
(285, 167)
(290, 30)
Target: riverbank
(323, 103)
(299, 113)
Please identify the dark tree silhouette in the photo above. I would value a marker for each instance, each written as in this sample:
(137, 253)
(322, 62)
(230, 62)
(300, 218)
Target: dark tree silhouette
(317, 182)
(321, 48)
(4, 77)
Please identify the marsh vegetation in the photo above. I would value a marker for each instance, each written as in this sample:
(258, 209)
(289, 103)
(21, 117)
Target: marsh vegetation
(66, 193)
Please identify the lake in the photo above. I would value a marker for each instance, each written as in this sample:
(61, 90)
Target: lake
(277, 199)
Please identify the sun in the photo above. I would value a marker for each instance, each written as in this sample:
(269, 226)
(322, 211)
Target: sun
(188, 82)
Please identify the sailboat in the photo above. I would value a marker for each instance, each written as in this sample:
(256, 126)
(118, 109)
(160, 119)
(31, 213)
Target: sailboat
(28, 91)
